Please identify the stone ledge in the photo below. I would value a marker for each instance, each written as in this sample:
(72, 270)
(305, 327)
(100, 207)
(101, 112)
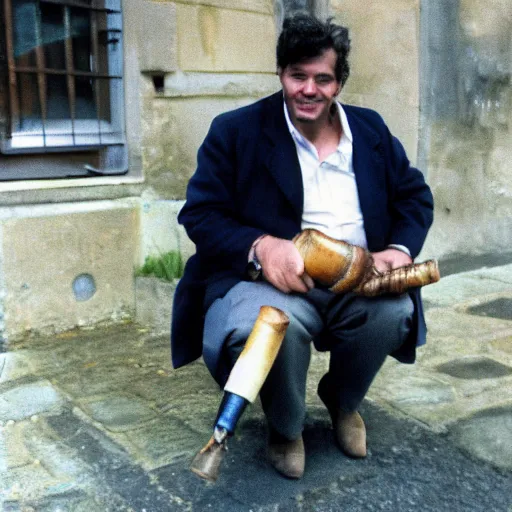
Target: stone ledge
(154, 300)
(189, 85)
(260, 6)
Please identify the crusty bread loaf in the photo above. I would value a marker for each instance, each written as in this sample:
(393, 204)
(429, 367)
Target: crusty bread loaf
(343, 267)
(333, 263)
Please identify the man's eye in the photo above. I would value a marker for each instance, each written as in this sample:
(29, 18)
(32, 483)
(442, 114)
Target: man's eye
(298, 76)
(324, 80)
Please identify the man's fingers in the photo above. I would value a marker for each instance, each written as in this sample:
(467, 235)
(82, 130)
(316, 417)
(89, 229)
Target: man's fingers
(381, 265)
(296, 284)
(308, 281)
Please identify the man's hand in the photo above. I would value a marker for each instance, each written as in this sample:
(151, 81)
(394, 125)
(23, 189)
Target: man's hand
(282, 265)
(387, 260)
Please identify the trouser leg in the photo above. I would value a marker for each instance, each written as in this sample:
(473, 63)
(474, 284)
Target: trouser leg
(362, 332)
(228, 324)
(283, 393)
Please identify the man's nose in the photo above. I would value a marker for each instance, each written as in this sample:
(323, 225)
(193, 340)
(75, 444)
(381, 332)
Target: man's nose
(309, 87)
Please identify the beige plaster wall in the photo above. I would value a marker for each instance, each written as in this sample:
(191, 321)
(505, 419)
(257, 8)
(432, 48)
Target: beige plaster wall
(160, 231)
(224, 59)
(181, 125)
(384, 62)
(45, 248)
(219, 40)
(469, 154)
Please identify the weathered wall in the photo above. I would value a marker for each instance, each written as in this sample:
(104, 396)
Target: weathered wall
(221, 57)
(44, 249)
(384, 62)
(466, 135)
(439, 75)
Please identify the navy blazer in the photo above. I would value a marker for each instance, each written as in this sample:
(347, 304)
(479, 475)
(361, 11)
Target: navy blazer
(248, 182)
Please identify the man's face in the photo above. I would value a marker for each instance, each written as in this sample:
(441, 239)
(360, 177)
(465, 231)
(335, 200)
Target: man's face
(310, 88)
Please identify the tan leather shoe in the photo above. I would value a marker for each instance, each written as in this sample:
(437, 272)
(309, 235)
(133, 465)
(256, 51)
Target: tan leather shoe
(288, 457)
(350, 433)
(348, 427)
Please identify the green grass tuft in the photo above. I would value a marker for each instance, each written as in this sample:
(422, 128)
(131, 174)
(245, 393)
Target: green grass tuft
(168, 266)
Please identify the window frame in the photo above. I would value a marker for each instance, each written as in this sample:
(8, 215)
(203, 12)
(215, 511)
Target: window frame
(110, 139)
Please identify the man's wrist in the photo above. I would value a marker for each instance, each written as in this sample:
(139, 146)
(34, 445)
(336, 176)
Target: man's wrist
(254, 269)
(252, 250)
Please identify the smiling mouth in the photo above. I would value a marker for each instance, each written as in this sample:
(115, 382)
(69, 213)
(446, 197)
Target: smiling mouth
(309, 105)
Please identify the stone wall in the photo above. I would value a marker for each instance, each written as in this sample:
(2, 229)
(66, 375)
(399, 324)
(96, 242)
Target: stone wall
(438, 72)
(220, 57)
(44, 249)
(223, 56)
(467, 124)
(384, 62)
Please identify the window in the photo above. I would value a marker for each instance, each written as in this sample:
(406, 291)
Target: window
(62, 91)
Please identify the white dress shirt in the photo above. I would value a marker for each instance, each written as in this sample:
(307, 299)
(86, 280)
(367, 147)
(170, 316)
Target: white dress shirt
(331, 199)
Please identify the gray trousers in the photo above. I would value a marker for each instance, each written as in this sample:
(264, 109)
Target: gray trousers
(359, 333)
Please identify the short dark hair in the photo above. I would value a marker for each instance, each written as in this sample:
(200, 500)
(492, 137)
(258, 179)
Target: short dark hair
(304, 37)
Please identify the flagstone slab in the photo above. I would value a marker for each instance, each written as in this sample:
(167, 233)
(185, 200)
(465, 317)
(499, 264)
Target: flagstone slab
(119, 413)
(28, 399)
(14, 365)
(31, 482)
(502, 273)
(99, 378)
(497, 308)
(503, 344)
(13, 450)
(459, 288)
(68, 500)
(474, 368)
(163, 442)
(456, 325)
(441, 415)
(417, 389)
(487, 435)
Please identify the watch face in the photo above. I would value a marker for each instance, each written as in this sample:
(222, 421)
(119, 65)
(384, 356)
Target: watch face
(253, 270)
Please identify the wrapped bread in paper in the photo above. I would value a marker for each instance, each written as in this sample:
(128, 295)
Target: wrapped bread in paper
(400, 279)
(344, 267)
(334, 263)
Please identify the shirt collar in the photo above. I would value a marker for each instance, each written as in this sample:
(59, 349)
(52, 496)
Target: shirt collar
(300, 138)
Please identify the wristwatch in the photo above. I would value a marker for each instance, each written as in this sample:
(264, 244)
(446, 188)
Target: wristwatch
(253, 269)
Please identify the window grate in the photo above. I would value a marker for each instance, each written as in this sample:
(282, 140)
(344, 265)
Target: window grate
(85, 5)
(64, 70)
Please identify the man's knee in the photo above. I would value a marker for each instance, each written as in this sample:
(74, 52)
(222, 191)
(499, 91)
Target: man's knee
(394, 310)
(392, 320)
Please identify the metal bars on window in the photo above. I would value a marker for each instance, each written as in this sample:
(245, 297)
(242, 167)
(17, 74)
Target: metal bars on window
(64, 67)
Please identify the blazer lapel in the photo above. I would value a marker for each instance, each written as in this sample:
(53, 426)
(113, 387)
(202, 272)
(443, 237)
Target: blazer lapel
(280, 154)
(367, 161)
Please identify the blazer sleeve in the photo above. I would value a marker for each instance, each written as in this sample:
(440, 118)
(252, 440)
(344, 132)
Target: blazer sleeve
(210, 212)
(410, 203)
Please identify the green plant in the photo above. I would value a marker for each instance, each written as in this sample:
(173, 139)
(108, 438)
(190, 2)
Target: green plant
(168, 266)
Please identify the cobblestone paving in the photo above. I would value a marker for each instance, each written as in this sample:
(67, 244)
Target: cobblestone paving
(97, 420)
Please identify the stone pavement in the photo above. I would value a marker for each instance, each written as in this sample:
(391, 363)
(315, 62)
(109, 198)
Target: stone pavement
(97, 420)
